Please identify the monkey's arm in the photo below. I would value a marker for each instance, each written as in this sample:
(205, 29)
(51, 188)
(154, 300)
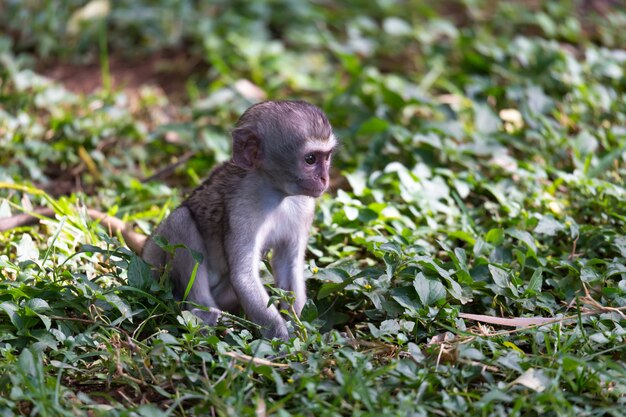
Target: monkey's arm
(134, 240)
(288, 268)
(244, 262)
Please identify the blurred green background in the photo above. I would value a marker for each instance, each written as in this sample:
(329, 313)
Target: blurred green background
(481, 171)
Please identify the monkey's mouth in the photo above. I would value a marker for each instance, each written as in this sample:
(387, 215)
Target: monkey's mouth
(309, 187)
(313, 192)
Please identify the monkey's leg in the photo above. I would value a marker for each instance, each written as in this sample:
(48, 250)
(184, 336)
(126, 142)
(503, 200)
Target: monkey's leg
(180, 229)
(288, 268)
(200, 293)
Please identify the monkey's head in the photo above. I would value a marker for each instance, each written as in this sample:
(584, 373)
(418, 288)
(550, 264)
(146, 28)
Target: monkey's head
(290, 142)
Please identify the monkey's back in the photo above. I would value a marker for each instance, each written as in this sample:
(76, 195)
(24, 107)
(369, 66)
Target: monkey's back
(209, 202)
(200, 223)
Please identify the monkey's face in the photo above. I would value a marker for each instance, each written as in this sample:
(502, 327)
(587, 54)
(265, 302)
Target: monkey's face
(303, 171)
(289, 142)
(313, 169)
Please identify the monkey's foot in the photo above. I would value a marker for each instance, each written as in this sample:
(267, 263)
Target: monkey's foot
(209, 317)
(276, 331)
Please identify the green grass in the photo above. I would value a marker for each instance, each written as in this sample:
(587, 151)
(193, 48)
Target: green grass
(481, 172)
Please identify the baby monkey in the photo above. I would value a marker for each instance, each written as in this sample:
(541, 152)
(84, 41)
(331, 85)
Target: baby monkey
(262, 199)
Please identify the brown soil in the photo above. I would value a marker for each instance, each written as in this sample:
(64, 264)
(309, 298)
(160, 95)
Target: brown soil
(167, 70)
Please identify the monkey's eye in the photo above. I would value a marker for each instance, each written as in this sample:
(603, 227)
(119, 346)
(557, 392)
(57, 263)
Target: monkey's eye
(310, 159)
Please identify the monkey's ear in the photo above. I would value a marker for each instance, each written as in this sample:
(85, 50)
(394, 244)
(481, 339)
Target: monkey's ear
(247, 152)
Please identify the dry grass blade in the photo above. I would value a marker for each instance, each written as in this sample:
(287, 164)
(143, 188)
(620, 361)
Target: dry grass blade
(257, 361)
(512, 322)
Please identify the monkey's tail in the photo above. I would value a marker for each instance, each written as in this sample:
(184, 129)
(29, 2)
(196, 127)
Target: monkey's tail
(134, 240)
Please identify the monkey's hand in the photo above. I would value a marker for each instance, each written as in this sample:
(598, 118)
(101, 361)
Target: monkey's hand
(208, 317)
(278, 330)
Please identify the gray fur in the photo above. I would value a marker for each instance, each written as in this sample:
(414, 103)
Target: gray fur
(246, 207)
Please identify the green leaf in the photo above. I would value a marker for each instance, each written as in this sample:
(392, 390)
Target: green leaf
(548, 226)
(500, 276)
(118, 303)
(485, 120)
(358, 182)
(93, 249)
(5, 208)
(198, 257)
(395, 26)
(523, 236)
(26, 249)
(454, 288)
(352, 213)
(464, 236)
(534, 379)
(373, 125)
(538, 101)
(605, 162)
(28, 366)
(168, 339)
(429, 291)
(535, 283)
(11, 310)
(192, 279)
(309, 312)
(471, 353)
(149, 410)
(38, 305)
(333, 274)
(390, 327)
(620, 243)
(588, 274)
(139, 274)
(461, 257)
(495, 236)
(405, 296)
(161, 242)
(328, 289)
